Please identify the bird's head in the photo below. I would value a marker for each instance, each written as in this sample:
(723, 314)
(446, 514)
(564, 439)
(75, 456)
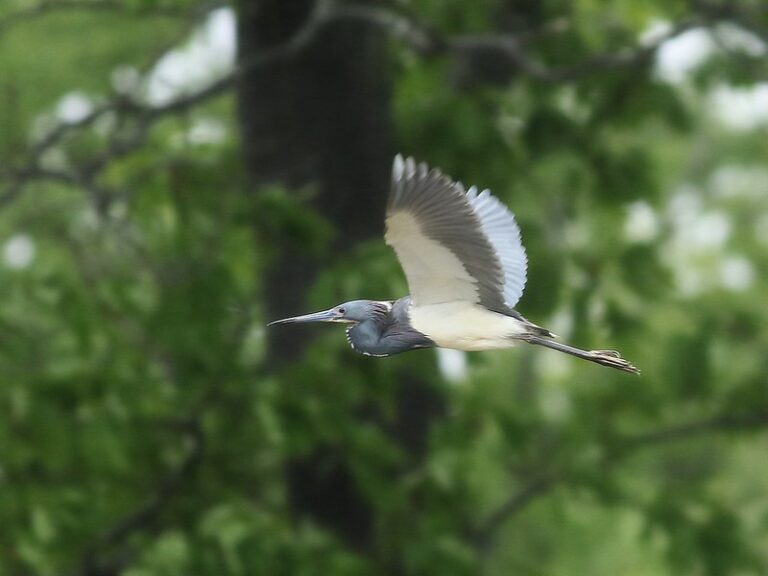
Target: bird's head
(351, 312)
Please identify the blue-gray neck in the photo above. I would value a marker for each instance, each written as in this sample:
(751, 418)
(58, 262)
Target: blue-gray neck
(386, 331)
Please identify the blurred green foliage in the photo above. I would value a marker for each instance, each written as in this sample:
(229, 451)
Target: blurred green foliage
(139, 431)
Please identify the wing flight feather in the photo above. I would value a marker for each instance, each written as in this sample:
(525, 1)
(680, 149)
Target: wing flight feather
(452, 245)
(503, 233)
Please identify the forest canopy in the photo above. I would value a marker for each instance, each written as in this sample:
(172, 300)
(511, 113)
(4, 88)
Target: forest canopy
(174, 174)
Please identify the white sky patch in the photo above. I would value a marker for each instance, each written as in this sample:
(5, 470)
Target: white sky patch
(737, 39)
(655, 32)
(641, 224)
(207, 131)
(694, 230)
(18, 251)
(678, 57)
(694, 253)
(736, 273)
(209, 53)
(709, 232)
(202, 132)
(684, 206)
(73, 107)
(452, 364)
(741, 108)
(740, 181)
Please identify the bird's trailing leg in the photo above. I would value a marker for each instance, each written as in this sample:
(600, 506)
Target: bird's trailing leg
(605, 357)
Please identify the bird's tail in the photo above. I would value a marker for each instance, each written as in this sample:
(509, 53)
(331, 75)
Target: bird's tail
(609, 358)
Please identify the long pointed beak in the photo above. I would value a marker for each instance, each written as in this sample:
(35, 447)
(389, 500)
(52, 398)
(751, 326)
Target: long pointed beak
(324, 316)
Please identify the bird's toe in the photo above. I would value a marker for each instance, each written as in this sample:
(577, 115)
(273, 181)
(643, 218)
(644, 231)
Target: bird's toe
(612, 353)
(613, 358)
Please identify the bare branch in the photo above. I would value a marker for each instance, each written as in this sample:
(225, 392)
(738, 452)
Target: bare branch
(34, 173)
(147, 114)
(512, 50)
(726, 423)
(120, 105)
(48, 7)
(484, 536)
(615, 60)
(514, 504)
(145, 515)
(738, 13)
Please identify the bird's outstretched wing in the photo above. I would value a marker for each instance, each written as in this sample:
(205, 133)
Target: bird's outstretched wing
(452, 245)
(503, 233)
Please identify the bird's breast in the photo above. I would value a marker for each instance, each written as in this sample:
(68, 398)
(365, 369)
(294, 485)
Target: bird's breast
(465, 326)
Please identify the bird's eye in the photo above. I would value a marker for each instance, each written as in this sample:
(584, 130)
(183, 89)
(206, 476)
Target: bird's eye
(342, 310)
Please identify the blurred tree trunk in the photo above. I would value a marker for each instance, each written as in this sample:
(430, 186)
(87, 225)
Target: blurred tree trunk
(322, 118)
(319, 118)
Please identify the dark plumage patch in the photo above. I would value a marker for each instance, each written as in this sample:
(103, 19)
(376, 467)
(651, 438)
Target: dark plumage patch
(386, 331)
(443, 212)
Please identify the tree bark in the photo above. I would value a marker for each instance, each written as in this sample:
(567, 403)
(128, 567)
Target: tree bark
(320, 118)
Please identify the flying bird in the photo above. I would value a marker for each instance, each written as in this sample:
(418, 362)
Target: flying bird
(466, 270)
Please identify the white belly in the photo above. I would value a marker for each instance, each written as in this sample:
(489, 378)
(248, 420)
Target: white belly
(464, 326)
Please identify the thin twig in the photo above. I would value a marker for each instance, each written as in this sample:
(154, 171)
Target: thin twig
(48, 7)
(410, 32)
(146, 514)
(483, 537)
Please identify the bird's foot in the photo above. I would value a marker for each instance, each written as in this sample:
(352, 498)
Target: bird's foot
(613, 359)
(612, 353)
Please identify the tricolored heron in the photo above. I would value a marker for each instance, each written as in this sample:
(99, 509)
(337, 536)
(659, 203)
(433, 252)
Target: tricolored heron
(466, 270)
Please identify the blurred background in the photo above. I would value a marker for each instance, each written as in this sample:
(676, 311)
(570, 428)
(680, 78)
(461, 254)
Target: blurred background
(176, 173)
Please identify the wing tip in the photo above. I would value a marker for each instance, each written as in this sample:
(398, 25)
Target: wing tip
(398, 167)
(404, 167)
